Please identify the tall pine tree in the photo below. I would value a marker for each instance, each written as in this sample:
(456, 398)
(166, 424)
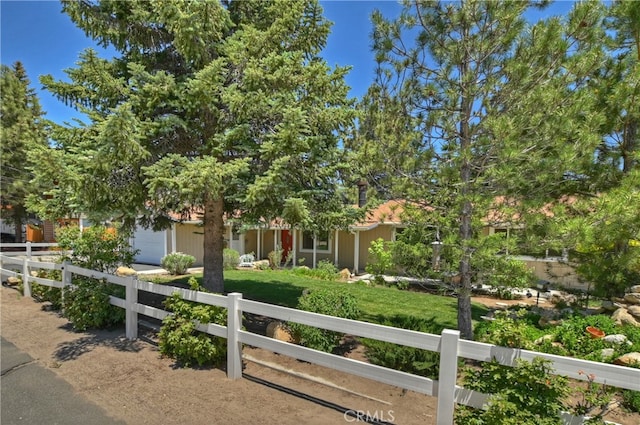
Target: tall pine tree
(212, 107)
(23, 128)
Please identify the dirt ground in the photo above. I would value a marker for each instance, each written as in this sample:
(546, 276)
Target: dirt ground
(133, 383)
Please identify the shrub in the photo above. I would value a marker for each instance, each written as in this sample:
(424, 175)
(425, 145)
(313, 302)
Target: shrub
(325, 270)
(230, 259)
(403, 358)
(86, 304)
(524, 394)
(324, 301)
(513, 329)
(177, 263)
(380, 258)
(179, 339)
(47, 293)
(631, 400)
(275, 258)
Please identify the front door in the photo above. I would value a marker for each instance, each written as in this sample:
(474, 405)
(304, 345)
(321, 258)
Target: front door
(287, 243)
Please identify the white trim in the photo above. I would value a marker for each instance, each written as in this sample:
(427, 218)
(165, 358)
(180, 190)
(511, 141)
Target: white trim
(335, 244)
(356, 252)
(174, 237)
(315, 249)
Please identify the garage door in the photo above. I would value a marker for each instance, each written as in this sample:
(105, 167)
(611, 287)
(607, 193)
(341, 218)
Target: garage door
(152, 246)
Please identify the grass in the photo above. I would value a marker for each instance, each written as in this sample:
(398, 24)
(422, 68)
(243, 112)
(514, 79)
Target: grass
(283, 288)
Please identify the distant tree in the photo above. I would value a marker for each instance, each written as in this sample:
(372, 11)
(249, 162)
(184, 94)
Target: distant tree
(211, 107)
(23, 128)
(497, 108)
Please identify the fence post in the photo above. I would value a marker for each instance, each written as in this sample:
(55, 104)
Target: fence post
(131, 318)
(234, 346)
(66, 281)
(29, 250)
(447, 376)
(26, 285)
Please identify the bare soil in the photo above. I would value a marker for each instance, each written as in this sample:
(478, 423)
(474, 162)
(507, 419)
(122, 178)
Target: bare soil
(132, 382)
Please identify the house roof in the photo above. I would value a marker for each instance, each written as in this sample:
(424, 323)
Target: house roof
(388, 212)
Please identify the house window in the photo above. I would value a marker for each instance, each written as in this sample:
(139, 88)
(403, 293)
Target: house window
(397, 231)
(322, 242)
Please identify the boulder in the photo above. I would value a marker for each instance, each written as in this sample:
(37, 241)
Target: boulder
(261, 264)
(634, 310)
(610, 306)
(605, 353)
(621, 316)
(615, 339)
(543, 338)
(345, 274)
(632, 298)
(12, 281)
(125, 271)
(279, 331)
(628, 359)
(618, 300)
(635, 289)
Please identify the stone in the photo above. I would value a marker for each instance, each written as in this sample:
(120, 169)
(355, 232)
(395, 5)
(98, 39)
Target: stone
(635, 289)
(125, 271)
(278, 330)
(605, 353)
(615, 339)
(621, 316)
(628, 359)
(632, 298)
(618, 300)
(12, 280)
(634, 310)
(345, 274)
(261, 264)
(610, 306)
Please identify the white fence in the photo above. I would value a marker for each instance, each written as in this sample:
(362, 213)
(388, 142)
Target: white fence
(448, 344)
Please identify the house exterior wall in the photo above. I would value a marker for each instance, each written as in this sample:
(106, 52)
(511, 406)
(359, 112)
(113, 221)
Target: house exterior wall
(555, 271)
(190, 240)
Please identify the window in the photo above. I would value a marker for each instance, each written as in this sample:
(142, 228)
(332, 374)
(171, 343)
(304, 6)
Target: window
(322, 242)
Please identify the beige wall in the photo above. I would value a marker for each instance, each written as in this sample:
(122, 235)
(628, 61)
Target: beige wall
(190, 240)
(556, 272)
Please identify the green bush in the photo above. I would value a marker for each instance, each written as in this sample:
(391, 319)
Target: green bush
(380, 258)
(177, 263)
(325, 270)
(324, 301)
(230, 259)
(47, 293)
(515, 329)
(179, 338)
(275, 258)
(86, 304)
(527, 394)
(631, 400)
(403, 358)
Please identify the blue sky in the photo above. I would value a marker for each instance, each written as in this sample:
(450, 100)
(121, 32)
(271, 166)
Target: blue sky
(47, 42)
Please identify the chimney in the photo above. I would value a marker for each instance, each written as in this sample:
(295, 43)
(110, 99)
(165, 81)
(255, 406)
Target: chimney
(362, 193)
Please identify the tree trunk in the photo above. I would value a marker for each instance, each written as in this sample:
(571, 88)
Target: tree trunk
(213, 220)
(18, 227)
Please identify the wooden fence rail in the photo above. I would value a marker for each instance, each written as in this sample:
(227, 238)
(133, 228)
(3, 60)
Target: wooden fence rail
(448, 344)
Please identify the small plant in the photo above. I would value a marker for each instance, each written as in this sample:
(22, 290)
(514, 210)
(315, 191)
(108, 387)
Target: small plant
(275, 258)
(527, 393)
(631, 400)
(403, 358)
(325, 270)
(509, 329)
(177, 263)
(330, 302)
(179, 338)
(594, 398)
(86, 304)
(230, 259)
(380, 258)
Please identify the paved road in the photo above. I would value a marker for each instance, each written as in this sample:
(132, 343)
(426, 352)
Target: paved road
(33, 395)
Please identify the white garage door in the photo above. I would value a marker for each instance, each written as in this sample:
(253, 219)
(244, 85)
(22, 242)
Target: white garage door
(152, 246)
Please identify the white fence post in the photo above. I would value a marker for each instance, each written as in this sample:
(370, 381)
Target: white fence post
(29, 250)
(447, 376)
(66, 281)
(131, 299)
(26, 285)
(234, 346)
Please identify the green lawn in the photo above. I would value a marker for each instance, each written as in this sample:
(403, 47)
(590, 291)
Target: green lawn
(284, 288)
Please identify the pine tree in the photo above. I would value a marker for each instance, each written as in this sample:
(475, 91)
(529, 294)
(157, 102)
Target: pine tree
(495, 106)
(211, 108)
(23, 128)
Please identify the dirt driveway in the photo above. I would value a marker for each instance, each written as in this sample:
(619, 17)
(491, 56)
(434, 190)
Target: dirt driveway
(132, 382)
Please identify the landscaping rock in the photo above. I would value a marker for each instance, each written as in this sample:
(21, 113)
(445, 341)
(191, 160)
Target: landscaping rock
(628, 359)
(279, 331)
(125, 271)
(261, 264)
(615, 339)
(12, 281)
(632, 298)
(635, 289)
(634, 310)
(618, 300)
(610, 306)
(621, 316)
(605, 353)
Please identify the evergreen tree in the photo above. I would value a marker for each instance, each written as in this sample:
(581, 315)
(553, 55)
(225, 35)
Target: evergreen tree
(23, 128)
(211, 108)
(495, 108)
